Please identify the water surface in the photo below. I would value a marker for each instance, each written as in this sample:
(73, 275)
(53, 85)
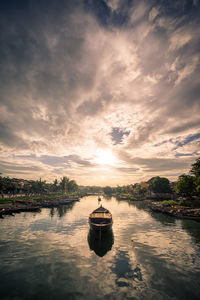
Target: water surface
(53, 255)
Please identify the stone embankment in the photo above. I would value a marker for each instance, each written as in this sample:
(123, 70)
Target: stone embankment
(182, 212)
(27, 206)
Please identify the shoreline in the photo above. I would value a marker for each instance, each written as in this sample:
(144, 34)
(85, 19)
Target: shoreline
(181, 212)
(34, 205)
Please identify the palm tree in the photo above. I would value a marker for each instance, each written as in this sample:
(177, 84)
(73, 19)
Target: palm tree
(64, 184)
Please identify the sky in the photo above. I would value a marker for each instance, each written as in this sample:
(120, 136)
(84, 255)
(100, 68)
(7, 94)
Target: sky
(103, 92)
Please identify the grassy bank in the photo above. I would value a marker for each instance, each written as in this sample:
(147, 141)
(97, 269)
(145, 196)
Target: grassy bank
(126, 196)
(184, 208)
(35, 198)
(192, 203)
(12, 205)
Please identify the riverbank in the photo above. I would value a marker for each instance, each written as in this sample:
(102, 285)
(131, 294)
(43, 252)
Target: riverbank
(129, 197)
(34, 203)
(178, 211)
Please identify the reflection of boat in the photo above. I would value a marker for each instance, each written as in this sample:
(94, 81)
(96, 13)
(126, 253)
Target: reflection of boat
(103, 245)
(100, 219)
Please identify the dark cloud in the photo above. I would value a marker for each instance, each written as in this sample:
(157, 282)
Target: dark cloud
(57, 160)
(42, 63)
(144, 133)
(183, 126)
(14, 169)
(82, 74)
(90, 108)
(107, 16)
(100, 9)
(157, 164)
(127, 170)
(9, 138)
(195, 154)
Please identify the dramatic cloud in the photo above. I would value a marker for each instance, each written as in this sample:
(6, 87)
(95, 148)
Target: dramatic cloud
(101, 91)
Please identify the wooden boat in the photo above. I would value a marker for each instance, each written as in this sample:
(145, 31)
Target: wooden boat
(100, 219)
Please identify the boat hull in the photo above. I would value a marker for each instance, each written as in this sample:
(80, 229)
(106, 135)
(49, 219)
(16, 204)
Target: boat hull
(100, 227)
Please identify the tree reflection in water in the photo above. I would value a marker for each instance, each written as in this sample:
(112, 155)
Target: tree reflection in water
(107, 197)
(61, 210)
(193, 228)
(103, 245)
(163, 218)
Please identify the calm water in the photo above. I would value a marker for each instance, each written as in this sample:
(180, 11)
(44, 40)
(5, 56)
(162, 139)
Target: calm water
(52, 255)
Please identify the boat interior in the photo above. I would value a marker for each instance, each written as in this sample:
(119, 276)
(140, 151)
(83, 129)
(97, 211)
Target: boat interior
(100, 220)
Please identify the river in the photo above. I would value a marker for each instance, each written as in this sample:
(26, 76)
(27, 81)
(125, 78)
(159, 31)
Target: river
(52, 254)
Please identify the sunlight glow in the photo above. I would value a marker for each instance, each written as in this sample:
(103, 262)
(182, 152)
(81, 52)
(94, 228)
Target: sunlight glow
(104, 157)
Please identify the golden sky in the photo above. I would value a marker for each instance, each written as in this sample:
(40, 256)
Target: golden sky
(104, 92)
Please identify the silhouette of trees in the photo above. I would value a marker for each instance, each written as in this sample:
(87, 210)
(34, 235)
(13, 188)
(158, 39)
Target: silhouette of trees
(160, 185)
(185, 186)
(195, 171)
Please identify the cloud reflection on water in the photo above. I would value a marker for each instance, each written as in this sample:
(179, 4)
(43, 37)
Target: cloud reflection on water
(52, 253)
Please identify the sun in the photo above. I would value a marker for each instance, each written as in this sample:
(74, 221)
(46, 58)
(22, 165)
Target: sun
(104, 157)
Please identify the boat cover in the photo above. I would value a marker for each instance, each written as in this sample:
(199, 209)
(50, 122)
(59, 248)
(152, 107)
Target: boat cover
(101, 209)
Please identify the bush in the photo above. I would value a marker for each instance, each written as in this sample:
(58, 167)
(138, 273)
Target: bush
(169, 202)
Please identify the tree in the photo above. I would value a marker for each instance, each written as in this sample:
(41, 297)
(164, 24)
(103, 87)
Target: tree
(118, 189)
(54, 186)
(64, 184)
(196, 168)
(39, 186)
(72, 186)
(107, 190)
(196, 172)
(2, 185)
(140, 191)
(6, 185)
(159, 185)
(27, 188)
(185, 186)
